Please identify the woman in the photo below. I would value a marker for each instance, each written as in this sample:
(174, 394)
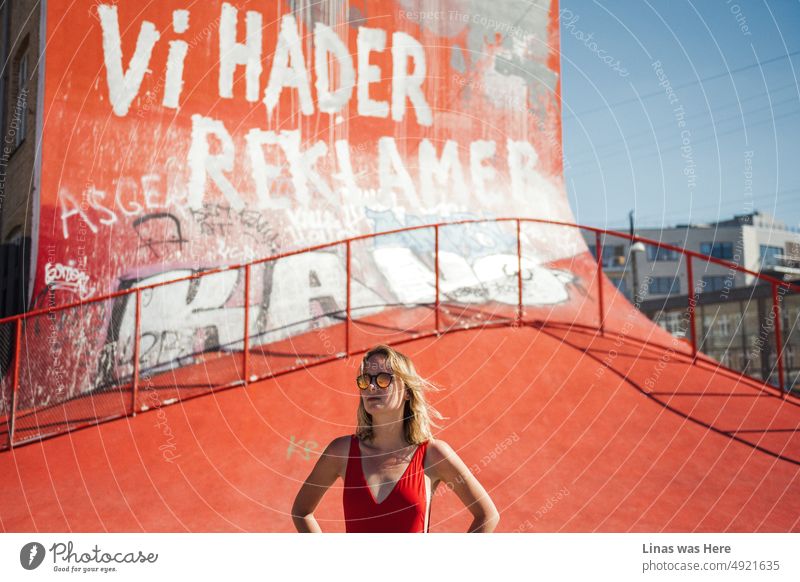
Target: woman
(392, 465)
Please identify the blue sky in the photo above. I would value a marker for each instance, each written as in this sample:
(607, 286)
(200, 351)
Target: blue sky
(682, 111)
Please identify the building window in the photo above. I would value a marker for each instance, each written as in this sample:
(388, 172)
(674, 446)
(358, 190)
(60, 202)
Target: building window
(660, 254)
(716, 283)
(718, 250)
(19, 107)
(663, 285)
(769, 256)
(613, 255)
(673, 322)
(724, 327)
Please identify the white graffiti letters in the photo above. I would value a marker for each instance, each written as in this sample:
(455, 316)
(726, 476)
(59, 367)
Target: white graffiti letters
(68, 278)
(124, 86)
(318, 177)
(289, 70)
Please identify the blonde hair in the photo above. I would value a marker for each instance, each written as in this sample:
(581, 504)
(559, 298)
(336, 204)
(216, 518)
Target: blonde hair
(417, 412)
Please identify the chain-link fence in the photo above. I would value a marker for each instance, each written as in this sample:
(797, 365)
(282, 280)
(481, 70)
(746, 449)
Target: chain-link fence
(64, 379)
(7, 360)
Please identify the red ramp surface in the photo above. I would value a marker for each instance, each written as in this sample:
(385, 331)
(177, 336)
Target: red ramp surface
(564, 437)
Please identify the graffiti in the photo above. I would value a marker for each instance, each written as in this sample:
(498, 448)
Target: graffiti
(159, 231)
(222, 221)
(288, 65)
(178, 323)
(307, 291)
(68, 278)
(396, 186)
(306, 448)
(183, 321)
(525, 274)
(96, 208)
(321, 225)
(467, 240)
(490, 278)
(316, 142)
(114, 366)
(477, 263)
(300, 293)
(286, 144)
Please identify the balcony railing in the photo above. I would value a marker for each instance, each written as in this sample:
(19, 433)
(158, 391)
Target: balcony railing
(67, 367)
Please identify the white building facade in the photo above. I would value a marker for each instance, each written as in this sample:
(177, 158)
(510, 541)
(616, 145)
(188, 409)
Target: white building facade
(756, 242)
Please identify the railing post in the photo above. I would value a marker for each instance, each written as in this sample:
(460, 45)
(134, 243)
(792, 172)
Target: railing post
(519, 274)
(776, 313)
(436, 270)
(348, 320)
(15, 383)
(692, 296)
(246, 336)
(599, 251)
(136, 341)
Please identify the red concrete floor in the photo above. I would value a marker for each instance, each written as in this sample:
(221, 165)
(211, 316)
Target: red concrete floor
(568, 431)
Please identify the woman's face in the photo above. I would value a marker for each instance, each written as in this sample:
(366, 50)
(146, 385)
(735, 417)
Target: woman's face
(379, 400)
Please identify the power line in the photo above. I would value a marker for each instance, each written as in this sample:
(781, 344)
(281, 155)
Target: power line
(671, 123)
(765, 197)
(684, 85)
(694, 142)
(629, 144)
(695, 210)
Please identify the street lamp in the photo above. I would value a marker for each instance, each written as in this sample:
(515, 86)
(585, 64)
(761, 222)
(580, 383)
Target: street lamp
(636, 248)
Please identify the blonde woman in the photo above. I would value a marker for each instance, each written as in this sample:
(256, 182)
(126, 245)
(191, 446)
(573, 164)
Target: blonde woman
(392, 465)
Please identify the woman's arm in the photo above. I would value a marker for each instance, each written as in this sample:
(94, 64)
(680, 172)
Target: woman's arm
(322, 476)
(456, 475)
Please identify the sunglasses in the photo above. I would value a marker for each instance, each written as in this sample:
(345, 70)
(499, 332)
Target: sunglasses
(381, 380)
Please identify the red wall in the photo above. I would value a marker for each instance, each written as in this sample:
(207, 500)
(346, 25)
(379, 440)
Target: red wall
(119, 199)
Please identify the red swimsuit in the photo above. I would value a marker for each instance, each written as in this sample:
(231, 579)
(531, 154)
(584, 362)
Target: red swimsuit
(403, 511)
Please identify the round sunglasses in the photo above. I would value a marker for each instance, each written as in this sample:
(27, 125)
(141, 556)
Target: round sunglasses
(381, 380)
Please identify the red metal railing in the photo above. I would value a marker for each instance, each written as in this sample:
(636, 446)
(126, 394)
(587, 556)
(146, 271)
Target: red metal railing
(246, 335)
(137, 340)
(20, 320)
(599, 275)
(519, 273)
(692, 296)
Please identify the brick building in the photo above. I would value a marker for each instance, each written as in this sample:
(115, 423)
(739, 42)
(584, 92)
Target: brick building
(19, 102)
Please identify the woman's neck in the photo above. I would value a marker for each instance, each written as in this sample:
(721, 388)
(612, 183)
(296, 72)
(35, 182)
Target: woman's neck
(388, 434)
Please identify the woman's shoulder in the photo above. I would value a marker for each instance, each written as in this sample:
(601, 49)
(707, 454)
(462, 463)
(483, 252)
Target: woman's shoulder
(444, 462)
(439, 445)
(438, 450)
(339, 448)
(337, 452)
(340, 445)
(438, 457)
